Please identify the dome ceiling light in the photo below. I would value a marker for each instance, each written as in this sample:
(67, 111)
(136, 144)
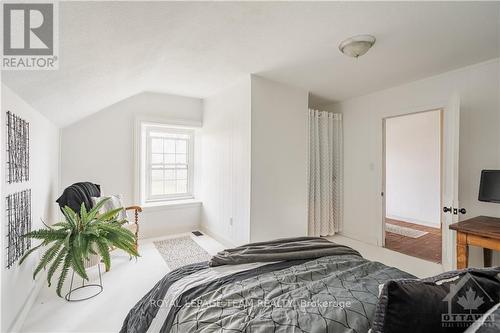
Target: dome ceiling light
(356, 46)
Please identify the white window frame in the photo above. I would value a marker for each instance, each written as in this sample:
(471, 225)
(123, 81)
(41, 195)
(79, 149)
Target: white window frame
(145, 176)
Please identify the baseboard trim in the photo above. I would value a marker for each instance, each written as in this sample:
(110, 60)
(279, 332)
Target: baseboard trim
(217, 237)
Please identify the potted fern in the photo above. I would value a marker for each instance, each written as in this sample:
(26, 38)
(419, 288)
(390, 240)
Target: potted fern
(74, 240)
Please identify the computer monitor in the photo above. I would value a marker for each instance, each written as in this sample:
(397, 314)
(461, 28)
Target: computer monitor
(489, 188)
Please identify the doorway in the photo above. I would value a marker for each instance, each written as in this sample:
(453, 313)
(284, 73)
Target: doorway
(413, 184)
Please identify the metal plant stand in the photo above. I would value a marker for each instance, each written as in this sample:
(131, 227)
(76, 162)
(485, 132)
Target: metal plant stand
(83, 286)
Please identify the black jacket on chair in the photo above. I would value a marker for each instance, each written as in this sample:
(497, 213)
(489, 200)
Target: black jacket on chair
(74, 195)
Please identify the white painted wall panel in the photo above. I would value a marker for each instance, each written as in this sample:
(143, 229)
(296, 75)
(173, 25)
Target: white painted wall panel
(413, 168)
(279, 160)
(225, 163)
(18, 287)
(255, 162)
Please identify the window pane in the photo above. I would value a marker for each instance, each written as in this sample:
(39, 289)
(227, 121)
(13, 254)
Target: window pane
(169, 135)
(180, 146)
(156, 175)
(157, 134)
(156, 187)
(169, 158)
(169, 147)
(170, 174)
(180, 158)
(170, 187)
(157, 158)
(181, 173)
(181, 186)
(157, 146)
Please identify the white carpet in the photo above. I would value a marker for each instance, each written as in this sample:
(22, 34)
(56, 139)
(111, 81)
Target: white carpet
(404, 231)
(178, 252)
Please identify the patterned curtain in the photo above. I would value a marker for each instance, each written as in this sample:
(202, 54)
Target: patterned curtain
(325, 173)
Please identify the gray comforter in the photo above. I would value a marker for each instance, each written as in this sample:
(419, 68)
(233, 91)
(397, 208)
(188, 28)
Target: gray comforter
(281, 249)
(329, 293)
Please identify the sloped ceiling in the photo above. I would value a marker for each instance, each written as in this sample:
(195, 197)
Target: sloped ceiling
(112, 50)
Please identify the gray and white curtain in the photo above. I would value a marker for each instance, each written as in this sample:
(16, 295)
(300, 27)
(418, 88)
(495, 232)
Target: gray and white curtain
(325, 173)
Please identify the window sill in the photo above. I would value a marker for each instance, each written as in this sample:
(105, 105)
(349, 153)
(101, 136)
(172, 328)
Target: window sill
(171, 204)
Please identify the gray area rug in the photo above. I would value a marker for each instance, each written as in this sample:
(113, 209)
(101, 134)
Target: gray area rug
(404, 231)
(181, 251)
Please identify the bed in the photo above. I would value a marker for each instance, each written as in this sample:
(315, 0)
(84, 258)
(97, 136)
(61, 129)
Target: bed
(302, 284)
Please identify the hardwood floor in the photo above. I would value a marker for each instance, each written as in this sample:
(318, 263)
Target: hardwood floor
(427, 247)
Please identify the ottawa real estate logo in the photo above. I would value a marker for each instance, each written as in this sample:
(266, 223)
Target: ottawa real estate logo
(30, 36)
(466, 302)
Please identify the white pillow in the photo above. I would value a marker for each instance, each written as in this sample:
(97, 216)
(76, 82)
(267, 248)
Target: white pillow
(114, 202)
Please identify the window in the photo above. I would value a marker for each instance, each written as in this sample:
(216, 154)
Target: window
(168, 163)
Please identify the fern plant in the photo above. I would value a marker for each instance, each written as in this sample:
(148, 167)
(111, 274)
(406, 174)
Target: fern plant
(72, 241)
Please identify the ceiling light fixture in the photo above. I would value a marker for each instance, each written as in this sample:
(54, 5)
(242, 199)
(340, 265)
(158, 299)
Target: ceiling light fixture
(356, 46)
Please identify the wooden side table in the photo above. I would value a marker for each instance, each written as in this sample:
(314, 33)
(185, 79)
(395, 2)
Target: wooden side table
(482, 231)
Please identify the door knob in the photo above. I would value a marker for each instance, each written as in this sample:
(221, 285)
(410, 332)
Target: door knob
(462, 211)
(447, 209)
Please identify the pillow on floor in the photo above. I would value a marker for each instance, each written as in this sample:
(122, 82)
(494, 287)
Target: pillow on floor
(449, 302)
(114, 202)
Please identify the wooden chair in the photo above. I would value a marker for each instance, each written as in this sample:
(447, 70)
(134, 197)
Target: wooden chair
(134, 226)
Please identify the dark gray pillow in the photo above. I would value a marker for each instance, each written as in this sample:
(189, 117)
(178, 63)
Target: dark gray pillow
(449, 302)
(488, 323)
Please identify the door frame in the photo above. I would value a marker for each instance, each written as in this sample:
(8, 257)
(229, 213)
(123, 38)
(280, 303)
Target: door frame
(441, 166)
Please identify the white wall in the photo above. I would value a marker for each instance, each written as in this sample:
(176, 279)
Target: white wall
(100, 149)
(18, 288)
(255, 162)
(226, 164)
(478, 86)
(413, 168)
(279, 160)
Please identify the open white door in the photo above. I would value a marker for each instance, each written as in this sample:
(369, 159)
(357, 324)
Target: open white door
(451, 137)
